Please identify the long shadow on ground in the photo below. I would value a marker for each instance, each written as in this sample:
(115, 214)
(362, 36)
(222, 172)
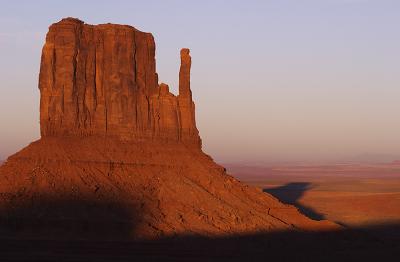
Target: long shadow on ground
(291, 193)
(98, 231)
(346, 245)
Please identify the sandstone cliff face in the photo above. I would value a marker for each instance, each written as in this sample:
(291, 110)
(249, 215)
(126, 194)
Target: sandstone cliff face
(102, 80)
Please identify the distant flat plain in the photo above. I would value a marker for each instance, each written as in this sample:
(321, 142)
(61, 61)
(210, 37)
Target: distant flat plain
(354, 195)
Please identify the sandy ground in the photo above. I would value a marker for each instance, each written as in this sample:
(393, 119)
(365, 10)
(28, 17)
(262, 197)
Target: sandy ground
(352, 195)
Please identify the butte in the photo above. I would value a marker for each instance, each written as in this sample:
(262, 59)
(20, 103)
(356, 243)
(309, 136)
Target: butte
(121, 155)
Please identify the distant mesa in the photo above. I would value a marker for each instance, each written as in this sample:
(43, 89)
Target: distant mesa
(120, 155)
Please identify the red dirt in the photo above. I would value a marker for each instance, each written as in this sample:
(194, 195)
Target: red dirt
(166, 189)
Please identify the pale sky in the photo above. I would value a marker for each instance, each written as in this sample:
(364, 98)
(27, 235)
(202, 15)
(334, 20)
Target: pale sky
(278, 80)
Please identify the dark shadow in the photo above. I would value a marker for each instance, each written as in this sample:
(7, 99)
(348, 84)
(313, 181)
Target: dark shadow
(68, 218)
(291, 194)
(346, 245)
(93, 230)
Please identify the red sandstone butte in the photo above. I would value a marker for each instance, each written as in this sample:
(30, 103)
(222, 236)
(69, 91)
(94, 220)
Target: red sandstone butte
(119, 153)
(102, 80)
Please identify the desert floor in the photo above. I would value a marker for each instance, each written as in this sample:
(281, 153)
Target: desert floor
(349, 194)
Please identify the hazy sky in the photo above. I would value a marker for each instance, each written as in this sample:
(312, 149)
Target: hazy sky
(272, 80)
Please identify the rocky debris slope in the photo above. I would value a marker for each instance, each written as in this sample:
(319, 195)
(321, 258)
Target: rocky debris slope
(120, 154)
(150, 188)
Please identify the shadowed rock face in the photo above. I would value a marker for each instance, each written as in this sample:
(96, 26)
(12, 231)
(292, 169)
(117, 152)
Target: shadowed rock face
(102, 80)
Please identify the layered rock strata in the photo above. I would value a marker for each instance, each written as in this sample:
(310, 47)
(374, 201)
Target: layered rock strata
(102, 80)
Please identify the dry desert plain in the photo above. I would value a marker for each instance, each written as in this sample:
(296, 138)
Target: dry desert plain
(353, 195)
